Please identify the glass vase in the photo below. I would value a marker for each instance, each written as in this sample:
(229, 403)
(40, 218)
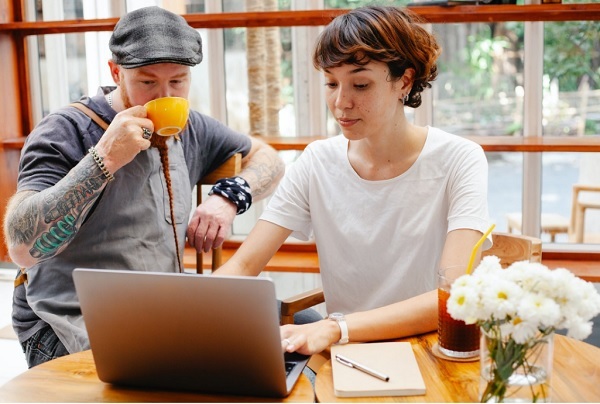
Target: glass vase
(512, 372)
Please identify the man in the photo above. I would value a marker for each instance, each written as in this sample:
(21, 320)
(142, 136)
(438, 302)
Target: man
(93, 198)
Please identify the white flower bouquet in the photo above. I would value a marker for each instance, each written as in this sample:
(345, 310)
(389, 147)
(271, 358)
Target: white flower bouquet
(525, 298)
(517, 308)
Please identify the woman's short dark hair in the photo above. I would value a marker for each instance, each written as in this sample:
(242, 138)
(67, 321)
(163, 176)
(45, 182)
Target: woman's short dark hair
(391, 35)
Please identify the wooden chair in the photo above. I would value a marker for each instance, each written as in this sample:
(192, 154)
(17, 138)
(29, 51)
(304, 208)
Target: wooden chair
(509, 248)
(550, 223)
(578, 210)
(553, 224)
(229, 168)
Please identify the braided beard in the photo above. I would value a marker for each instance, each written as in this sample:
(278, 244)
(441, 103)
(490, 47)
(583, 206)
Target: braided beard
(160, 142)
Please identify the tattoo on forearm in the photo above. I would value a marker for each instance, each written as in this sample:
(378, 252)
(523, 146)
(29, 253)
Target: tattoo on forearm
(47, 221)
(60, 205)
(64, 209)
(21, 229)
(265, 171)
(52, 240)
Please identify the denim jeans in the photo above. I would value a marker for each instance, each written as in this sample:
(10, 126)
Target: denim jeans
(43, 346)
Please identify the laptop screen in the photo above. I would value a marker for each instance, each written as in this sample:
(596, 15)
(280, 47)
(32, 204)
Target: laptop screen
(185, 331)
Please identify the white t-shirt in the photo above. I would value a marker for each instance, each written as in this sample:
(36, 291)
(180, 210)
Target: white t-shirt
(379, 242)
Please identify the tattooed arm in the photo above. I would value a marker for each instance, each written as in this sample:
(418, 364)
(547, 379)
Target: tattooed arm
(211, 221)
(262, 168)
(39, 225)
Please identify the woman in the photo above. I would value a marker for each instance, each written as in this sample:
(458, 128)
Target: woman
(389, 202)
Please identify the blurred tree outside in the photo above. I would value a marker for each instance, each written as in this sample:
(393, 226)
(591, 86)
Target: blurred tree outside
(487, 68)
(480, 82)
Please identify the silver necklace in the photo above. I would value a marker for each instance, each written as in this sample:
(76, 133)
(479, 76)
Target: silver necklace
(109, 99)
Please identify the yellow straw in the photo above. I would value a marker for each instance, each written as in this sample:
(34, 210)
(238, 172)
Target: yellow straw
(474, 252)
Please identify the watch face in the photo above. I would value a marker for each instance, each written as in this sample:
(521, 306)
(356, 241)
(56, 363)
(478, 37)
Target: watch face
(341, 321)
(336, 316)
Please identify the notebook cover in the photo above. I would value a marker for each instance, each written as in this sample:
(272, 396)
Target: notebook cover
(394, 359)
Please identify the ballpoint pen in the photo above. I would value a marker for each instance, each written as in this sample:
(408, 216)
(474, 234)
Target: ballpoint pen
(350, 363)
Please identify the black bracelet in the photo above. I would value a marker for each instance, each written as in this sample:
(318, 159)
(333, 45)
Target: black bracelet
(237, 190)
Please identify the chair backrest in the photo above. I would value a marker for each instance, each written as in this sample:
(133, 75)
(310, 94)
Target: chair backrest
(511, 248)
(229, 168)
(578, 209)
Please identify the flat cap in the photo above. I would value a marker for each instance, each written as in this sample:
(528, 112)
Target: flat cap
(153, 35)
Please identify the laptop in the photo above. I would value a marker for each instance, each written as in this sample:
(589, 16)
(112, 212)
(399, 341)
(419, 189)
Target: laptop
(189, 332)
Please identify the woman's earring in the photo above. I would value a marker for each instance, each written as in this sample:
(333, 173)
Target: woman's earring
(406, 98)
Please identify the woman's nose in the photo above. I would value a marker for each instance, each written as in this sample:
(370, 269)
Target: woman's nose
(343, 99)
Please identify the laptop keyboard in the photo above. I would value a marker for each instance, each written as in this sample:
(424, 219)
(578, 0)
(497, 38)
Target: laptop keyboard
(289, 366)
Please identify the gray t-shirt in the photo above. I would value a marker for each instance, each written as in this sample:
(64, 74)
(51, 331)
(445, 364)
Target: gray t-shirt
(130, 225)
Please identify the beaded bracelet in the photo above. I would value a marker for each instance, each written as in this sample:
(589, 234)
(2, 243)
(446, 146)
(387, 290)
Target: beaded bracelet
(100, 164)
(237, 190)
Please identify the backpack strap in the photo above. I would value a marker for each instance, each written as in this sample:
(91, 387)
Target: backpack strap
(21, 277)
(94, 116)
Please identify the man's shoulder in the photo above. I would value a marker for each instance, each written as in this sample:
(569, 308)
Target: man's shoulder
(57, 124)
(62, 126)
(197, 116)
(203, 129)
(75, 116)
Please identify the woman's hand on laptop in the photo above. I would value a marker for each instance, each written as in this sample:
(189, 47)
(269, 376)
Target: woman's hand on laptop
(309, 339)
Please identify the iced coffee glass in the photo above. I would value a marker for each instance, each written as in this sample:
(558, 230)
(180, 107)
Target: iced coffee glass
(455, 338)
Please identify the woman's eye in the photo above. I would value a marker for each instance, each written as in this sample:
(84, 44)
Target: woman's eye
(331, 85)
(361, 86)
(147, 83)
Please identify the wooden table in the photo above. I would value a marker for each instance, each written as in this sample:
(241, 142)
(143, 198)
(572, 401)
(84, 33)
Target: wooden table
(575, 376)
(73, 378)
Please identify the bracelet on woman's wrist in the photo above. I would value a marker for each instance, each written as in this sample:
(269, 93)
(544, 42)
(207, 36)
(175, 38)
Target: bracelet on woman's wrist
(235, 189)
(99, 161)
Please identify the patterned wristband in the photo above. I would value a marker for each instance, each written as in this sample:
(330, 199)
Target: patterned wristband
(100, 164)
(237, 190)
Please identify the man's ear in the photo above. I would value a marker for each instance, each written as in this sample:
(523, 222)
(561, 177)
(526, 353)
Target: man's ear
(115, 69)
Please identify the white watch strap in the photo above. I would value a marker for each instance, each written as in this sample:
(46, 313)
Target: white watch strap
(344, 330)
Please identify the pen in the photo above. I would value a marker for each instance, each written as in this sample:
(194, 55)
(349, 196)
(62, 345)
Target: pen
(350, 363)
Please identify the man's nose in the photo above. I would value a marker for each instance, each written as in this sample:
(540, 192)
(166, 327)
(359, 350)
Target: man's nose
(165, 91)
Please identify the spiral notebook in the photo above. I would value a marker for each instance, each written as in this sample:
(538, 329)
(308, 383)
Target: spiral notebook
(394, 359)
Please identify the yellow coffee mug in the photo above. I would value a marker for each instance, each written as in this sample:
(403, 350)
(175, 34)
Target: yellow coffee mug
(168, 114)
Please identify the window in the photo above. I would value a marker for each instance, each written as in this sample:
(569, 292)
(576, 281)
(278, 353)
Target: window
(482, 89)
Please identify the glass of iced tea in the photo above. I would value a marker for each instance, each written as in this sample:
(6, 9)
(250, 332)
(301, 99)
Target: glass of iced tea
(455, 338)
